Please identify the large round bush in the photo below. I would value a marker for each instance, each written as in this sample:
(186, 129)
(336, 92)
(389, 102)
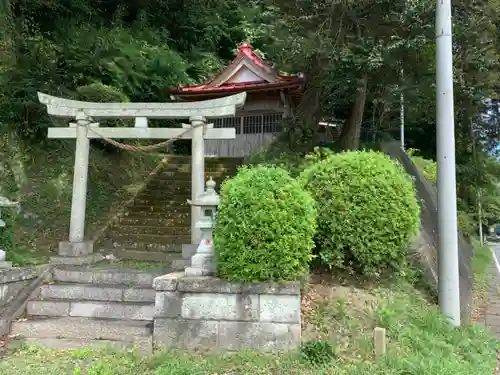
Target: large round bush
(367, 211)
(265, 226)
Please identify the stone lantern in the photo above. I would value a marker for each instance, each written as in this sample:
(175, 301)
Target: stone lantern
(5, 203)
(202, 262)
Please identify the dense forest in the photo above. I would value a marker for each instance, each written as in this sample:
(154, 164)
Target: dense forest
(358, 58)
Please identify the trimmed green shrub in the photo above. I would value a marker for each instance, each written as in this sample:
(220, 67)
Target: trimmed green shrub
(318, 154)
(265, 226)
(367, 211)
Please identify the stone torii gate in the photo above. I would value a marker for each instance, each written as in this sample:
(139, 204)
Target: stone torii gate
(85, 126)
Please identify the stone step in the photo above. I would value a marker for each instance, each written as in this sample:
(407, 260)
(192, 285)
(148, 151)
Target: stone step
(84, 328)
(87, 275)
(95, 292)
(154, 196)
(160, 208)
(176, 174)
(171, 182)
(178, 220)
(145, 256)
(163, 195)
(105, 331)
(142, 345)
(91, 309)
(143, 229)
(157, 214)
(180, 264)
(209, 163)
(166, 201)
(171, 188)
(155, 222)
(149, 238)
(209, 160)
(126, 244)
(171, 167)
(181, 181)
(168, 188)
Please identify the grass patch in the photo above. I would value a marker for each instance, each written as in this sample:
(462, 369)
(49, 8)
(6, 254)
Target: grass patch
(41, 180)
(426, 166)
(337, 331)
(480, 262)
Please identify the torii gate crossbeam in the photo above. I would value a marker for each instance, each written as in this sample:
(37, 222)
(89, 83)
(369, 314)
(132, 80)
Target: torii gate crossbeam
(79, 251)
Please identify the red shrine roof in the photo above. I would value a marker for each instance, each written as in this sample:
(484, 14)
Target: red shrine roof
(247, 72)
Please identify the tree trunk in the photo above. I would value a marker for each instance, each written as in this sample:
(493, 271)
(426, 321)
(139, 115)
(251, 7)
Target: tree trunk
(309, 108)
(349, 139)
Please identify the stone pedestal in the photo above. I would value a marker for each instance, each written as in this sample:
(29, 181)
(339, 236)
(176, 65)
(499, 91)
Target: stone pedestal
(188, 250)
(210, 313)
(76, 253)
(202, 262)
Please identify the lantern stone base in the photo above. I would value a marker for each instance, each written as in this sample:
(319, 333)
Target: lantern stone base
(188, 250)
(209, 313)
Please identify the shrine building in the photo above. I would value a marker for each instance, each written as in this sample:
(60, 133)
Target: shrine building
(270, 97)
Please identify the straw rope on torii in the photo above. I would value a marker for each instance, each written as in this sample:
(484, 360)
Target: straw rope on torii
(85, 126)
(156, 146)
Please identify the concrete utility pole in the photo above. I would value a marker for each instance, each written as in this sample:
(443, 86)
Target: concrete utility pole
(449, 294)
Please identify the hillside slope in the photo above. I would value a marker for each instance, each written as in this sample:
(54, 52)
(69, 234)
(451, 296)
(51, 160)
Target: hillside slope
(41, 180)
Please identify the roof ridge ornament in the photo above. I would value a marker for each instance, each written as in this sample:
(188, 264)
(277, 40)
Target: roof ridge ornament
(245, 45)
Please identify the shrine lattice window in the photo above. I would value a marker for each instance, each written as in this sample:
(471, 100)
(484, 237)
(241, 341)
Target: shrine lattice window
(252, 123)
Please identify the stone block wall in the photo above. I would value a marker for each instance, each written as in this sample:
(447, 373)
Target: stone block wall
(13, 281)
(16, 287)
(210, 313)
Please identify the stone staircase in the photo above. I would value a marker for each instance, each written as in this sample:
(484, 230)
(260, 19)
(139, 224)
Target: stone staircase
(108, 303)
(85, 306)
(156, 224)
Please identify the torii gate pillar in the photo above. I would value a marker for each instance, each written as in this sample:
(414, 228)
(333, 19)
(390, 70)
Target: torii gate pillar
(80, 176)
(198, 124)
(76, 246)
(79, 251)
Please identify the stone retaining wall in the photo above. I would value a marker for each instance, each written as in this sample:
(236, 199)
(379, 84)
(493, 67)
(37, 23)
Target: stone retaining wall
(13, 281)
(210, 313)
(17, 285)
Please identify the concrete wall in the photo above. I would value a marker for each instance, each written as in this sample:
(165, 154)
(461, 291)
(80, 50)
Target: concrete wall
(210, 313)
(425, 246)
